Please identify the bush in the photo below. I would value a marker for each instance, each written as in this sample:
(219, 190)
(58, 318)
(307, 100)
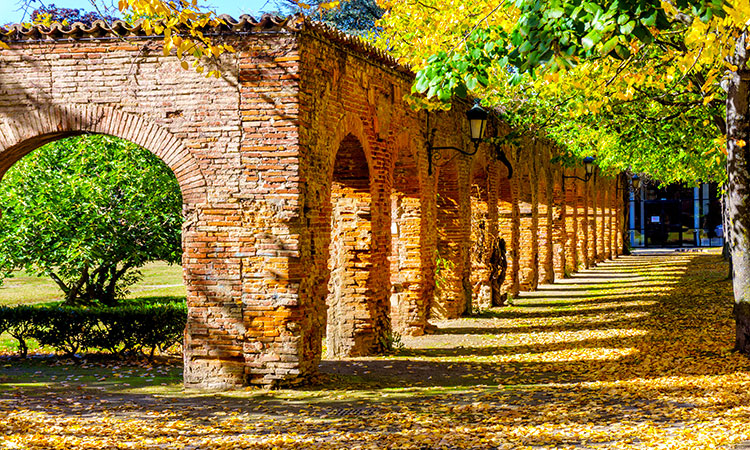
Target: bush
(69, 330)
(20, 322)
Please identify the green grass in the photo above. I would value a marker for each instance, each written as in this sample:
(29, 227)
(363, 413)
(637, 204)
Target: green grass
(159, 280)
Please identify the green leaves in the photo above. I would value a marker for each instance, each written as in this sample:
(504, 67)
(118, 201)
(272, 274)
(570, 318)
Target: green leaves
(460, 72)
(88, 211)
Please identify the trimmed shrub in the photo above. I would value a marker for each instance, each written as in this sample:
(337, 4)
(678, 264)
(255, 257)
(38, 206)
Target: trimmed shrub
(20, 323)
(69, 330)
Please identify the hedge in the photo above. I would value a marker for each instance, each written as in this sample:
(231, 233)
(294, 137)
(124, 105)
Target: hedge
(70, 330)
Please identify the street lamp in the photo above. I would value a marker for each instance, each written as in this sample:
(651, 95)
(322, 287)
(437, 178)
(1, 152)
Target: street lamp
(636, 181)
(588, 167)
(477, 118)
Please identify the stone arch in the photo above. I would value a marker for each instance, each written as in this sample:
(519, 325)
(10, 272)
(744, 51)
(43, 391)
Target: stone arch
(21, 133)
(411, 255)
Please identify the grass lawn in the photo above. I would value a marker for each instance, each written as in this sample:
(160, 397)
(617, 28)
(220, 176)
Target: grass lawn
(159, 280)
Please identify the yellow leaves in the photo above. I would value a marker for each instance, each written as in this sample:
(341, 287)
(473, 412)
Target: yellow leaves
(625, 361)
(740, 143)
(181, 25)
(3, 45)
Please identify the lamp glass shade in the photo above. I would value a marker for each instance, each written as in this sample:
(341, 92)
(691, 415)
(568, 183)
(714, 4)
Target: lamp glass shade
(477, 122)
(636, 182)
(588, 164)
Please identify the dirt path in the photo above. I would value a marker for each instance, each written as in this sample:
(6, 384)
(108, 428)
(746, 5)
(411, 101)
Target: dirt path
(635, 353)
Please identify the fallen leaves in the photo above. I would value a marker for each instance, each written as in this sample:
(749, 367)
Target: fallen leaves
(636, 356)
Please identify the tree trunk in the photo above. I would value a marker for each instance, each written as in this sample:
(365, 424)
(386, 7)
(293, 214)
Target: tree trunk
(738, 185)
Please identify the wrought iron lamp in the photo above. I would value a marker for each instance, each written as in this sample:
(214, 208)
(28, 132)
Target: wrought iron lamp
(635, 183)
(477, 118)
(588, 166)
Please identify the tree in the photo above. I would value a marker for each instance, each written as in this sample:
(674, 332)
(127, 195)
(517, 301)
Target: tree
(88, 212)
(352, 16)
(594, 60)
(47, 14)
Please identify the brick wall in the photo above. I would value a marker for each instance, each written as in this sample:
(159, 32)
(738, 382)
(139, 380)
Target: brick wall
(310, 212)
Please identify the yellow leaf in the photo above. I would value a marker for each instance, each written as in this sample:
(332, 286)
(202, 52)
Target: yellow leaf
(740, 143)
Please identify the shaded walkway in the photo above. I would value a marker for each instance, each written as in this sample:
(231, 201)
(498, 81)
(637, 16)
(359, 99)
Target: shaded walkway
(635, 353)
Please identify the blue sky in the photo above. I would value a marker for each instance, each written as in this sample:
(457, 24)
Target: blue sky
(10, 13)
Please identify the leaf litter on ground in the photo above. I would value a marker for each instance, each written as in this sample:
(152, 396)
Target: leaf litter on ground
(640, 358)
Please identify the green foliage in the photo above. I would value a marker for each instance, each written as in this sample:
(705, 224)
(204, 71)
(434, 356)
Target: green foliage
(391, 342)
(88, 212)
(635, 84)
(19, 322)
(69, 330)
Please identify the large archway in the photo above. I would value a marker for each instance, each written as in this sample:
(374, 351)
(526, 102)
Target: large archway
(213, 352)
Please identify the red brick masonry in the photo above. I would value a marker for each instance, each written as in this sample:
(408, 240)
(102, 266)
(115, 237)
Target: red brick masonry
(308, 205)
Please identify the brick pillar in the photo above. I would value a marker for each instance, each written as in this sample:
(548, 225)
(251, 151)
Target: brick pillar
(559, 230)
(607, 219)
(571, 207)
(583, 222)
(529, 245)
(600, 191)
(453, 220)
(508, 226)
(620, 221)
(358, 286)
(544, 214)
(591, 221)
(408, 248)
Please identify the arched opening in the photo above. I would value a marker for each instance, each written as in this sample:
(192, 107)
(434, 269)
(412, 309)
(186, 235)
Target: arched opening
(528, 228)
(508, 230)
(410, 258)
(483, 238)
(559, 224)
(452, 286)
(91, 220)
(350, 322)
(572, 236)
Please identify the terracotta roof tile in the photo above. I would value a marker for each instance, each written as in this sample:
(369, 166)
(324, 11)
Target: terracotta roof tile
(245, 24)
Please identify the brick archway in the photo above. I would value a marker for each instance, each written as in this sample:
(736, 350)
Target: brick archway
(23, 132)
(254, 154)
